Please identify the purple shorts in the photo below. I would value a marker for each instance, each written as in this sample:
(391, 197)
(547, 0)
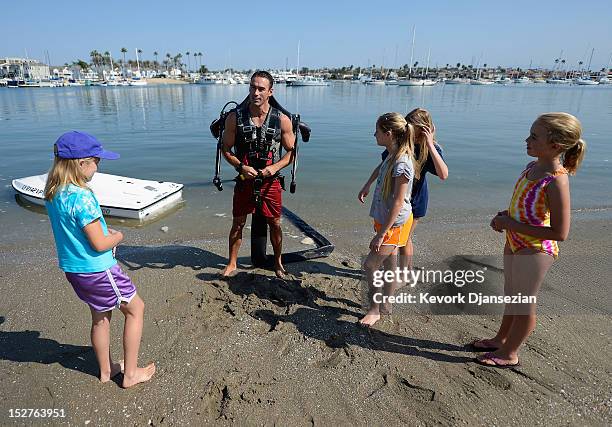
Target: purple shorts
(105, 290)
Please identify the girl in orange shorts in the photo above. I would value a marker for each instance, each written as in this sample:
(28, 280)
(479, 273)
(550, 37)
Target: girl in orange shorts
(391, 209)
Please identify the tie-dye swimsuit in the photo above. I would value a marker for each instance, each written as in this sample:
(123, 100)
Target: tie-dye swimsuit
(529, 205)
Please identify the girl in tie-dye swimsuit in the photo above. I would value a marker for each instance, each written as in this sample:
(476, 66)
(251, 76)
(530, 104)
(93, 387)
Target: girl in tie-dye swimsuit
(537, 218)
(529, 205)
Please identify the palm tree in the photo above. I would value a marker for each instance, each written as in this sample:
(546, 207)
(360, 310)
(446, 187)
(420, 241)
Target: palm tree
(580, 67)
(177, 60)
(563, 66)
(155, 55)
(139, 51)
(188, 60)
(123, 52)
(168, 56)
(94, 57)
(81, 64)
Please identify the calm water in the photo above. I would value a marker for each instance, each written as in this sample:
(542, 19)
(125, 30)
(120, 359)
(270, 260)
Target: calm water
(162, 133)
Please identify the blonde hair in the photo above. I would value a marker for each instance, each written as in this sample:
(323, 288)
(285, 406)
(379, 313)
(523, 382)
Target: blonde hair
(420, 118)
(403, 135)
(565, 130)
(62, 173)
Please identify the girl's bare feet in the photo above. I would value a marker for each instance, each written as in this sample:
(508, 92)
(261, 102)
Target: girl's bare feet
(116, 368)
(386, 308)
(370, 318)
(140, 376)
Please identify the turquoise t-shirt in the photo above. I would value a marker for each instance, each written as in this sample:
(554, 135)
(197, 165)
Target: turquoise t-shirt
(71, 209)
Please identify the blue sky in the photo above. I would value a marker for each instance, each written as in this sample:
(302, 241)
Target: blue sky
(265, 34)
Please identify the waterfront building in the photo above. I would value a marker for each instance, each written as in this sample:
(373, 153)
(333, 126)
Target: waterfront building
(23, 69)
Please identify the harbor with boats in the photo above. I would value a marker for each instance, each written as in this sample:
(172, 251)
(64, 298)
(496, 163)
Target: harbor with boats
(104, 70)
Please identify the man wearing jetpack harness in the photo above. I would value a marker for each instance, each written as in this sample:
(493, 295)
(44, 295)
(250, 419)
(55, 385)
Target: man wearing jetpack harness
(256, 131)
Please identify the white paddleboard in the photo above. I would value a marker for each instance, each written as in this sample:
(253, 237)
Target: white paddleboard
(119, 196)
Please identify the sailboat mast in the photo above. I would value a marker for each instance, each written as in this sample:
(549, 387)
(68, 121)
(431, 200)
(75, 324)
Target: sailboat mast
(297, 71)
(112, 70)
(411, 52)
(395, 62)
(137, 61)
(590, 59)
(427, 67)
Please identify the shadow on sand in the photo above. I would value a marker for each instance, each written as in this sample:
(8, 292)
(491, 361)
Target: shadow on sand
(167, 257)
(28, 346)
(323, 322)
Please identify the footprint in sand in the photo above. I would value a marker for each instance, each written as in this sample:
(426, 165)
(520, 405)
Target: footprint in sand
(402, 387)
(494, 378)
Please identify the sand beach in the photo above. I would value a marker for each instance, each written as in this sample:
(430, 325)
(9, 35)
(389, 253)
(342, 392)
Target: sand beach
(255, 350)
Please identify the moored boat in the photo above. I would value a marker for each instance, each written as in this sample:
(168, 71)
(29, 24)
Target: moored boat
(119, 196)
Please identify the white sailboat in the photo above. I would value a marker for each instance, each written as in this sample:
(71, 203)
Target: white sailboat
(478, 81)
(209, 79)
(308, 81)
(305, 80)
(584, 80)
(424, 81)
(137, 79)
(456, 81)
(556, 79)
(521, 80)
(604, 80)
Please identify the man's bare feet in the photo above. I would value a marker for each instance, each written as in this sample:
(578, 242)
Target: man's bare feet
(280, 271)
(116, 369)
(229, 270)
(140, 376)
(370, 318)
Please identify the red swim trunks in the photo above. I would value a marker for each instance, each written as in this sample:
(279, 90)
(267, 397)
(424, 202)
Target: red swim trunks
(271, 194)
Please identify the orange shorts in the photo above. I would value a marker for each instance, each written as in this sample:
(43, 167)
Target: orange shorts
(396, 236)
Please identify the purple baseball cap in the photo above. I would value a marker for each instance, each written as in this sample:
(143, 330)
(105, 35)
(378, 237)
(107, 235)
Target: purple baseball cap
(78, 145)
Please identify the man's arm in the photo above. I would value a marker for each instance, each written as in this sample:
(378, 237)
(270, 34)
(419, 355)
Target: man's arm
(288, 143)
(229, 140)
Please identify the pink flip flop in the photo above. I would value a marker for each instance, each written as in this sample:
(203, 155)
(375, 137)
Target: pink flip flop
(497, 362)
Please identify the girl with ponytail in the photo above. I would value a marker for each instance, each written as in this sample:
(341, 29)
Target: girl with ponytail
(538, 217)
(428, 157)
(391, 209)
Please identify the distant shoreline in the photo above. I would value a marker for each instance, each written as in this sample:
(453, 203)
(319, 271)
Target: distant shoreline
(166, 81)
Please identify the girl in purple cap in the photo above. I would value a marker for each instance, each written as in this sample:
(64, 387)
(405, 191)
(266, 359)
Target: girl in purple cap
(85, 248)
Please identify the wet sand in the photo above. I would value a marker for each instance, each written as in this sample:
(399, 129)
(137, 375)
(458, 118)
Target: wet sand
(257, 350)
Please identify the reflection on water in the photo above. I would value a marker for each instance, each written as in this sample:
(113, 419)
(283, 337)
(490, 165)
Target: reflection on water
(111, 220)
(162, 132)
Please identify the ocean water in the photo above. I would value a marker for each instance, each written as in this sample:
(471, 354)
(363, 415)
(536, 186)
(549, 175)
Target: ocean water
(162, 133)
